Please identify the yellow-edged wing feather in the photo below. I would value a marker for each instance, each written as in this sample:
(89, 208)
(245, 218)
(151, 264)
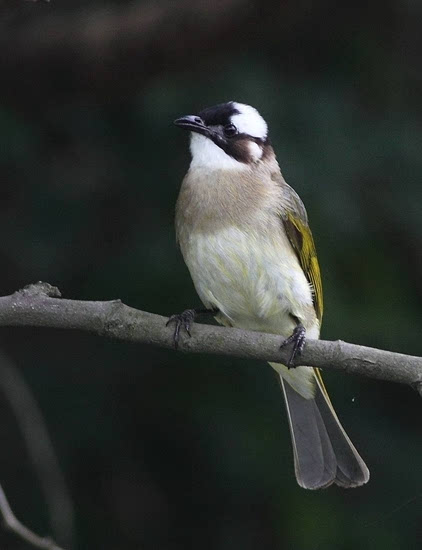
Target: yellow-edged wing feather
(301, 239)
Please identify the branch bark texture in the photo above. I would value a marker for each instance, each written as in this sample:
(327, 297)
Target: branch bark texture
(41, 305)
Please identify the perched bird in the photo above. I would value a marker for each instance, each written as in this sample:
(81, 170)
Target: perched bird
(244, 235)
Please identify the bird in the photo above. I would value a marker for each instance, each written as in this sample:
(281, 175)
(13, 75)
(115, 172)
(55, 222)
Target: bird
(245, 238)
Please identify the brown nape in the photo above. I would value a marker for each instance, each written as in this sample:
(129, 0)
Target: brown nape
(267, 150)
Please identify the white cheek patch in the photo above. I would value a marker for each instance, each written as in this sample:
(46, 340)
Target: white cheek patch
(206, 154)
(255, 151)
(249, 121)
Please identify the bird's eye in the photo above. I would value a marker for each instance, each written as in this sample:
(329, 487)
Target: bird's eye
(230, 130)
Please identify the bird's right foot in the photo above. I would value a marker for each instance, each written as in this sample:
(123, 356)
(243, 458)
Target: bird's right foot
(298, 338)
(185, 320)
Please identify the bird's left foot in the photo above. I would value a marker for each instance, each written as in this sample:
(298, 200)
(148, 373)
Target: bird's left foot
(298, 338)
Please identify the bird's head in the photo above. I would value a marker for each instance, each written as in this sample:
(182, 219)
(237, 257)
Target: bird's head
(227, 136)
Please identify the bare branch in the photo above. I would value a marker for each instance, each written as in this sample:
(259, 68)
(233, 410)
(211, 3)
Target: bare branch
(14, 525)
(40, 449)
(40, 305)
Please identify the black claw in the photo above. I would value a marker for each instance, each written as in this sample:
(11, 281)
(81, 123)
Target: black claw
(184, 320)
(298, 338)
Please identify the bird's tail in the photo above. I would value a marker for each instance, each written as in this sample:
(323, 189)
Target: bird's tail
(323, 453)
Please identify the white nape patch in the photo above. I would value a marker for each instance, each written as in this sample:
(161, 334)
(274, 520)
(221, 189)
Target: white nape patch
(249, 121)
(206, 154)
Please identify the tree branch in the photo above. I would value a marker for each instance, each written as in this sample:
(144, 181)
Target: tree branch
(40, 305)
(14, 525)
(40, 450)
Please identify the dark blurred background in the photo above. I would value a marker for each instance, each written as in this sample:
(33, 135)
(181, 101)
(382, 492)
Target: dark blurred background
(161, 450)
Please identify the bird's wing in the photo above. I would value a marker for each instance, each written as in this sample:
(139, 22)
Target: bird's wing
(301, 239)
(295, 223)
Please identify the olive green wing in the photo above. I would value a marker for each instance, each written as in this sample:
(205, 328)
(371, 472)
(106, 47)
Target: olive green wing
(301, 239)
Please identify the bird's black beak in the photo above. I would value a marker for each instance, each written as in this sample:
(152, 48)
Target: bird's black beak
(194, 124)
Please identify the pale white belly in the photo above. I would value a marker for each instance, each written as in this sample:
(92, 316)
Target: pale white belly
(255, 280)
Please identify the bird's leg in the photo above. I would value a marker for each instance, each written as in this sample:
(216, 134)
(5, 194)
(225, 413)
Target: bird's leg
(298, 337)
(185, 320)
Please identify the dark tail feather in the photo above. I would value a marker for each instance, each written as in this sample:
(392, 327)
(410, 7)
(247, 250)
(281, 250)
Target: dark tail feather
(323, 453)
